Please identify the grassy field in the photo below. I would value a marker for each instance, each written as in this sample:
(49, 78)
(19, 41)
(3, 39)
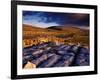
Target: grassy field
(33, 35)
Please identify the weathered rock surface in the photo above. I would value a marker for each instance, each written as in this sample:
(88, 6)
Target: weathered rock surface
(51, 55)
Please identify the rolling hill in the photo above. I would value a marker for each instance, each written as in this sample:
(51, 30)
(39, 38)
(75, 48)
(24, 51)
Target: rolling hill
(67, 34)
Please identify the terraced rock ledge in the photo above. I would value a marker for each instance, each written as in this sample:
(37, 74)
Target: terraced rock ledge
(49, 54)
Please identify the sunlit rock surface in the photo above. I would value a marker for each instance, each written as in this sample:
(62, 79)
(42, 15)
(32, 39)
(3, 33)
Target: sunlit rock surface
(29, 65)
(49, 54)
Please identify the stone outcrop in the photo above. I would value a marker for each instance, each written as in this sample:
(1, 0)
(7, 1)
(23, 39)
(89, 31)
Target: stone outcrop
(51, 55)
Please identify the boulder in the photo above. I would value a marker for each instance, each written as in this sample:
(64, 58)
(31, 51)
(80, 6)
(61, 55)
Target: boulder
(29, 65)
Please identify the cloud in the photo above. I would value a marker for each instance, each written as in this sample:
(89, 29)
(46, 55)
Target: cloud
(39, 20)
(79, 16)
(54, 19)
(41, 24)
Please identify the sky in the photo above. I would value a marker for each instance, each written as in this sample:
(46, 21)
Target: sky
(48, 19)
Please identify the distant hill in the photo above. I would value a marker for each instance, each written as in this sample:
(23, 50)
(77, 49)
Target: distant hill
(66, 28)
(70, 28)
(55, 28)
(30, 27)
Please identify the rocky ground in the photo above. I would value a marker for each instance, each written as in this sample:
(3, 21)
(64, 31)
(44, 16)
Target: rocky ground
(51, 55)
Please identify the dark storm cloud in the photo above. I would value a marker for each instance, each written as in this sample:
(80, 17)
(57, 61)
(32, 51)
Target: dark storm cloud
(82, 19)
